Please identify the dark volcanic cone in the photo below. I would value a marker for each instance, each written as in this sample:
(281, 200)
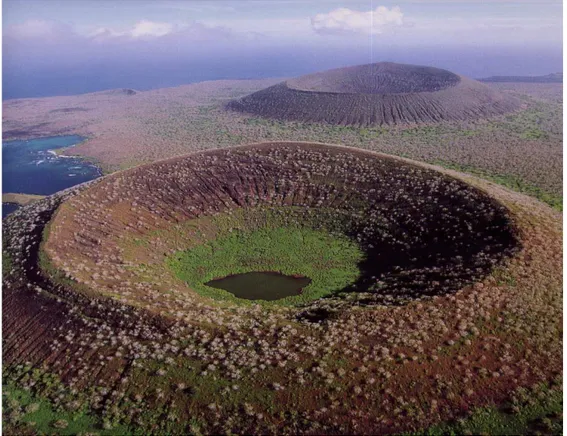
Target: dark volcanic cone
(383, 93)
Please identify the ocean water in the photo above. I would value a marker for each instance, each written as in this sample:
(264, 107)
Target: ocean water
(8, 208)
(33, 167)
(34, 74)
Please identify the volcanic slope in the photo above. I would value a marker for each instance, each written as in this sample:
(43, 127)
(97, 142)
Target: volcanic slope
(457, 306)
(382, 93)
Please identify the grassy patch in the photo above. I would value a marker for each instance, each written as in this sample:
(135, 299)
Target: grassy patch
(26, 413)
(527, 414)
(329, 261)
(7, 263)
(532, 123)
(509, 181)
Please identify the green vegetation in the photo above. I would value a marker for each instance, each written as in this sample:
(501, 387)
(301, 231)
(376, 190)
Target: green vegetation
(27, 413)
(529, 413)
(435, 131)
(329, 261)
(509, 181)
(537, 122)
(163, 386)
(7, 263)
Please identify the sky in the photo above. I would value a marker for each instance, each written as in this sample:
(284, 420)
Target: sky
(61, 47)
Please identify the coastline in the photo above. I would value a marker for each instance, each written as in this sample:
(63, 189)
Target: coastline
(25, 195)
(20, 199)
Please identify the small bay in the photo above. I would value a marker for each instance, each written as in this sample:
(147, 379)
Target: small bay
(34, 167)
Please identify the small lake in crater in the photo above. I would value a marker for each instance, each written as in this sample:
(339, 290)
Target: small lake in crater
(33, 167)
(267, 286)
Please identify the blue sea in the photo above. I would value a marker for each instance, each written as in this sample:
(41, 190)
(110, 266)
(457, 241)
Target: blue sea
(33, 167)
(25, 75)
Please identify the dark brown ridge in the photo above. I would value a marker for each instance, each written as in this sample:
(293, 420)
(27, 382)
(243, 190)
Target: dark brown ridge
(377, 94)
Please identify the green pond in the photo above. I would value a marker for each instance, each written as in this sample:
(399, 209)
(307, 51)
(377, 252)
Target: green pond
(267, 286)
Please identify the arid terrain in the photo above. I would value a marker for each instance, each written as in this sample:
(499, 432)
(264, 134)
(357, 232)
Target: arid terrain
(125, 129)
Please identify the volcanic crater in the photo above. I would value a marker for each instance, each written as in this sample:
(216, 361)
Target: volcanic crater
(89, 298)
(421, 233)
(383, 93)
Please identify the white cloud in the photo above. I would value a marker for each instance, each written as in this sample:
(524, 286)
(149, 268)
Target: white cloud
(344, 20)
(150, 28)
(103, 32)
(142, 29)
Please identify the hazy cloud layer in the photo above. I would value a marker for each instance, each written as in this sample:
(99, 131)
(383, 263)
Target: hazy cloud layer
(38, 29)
(43, 31)
(344, 20)
(81, 46)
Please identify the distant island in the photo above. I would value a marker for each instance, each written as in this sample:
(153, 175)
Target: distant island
(548, 78)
